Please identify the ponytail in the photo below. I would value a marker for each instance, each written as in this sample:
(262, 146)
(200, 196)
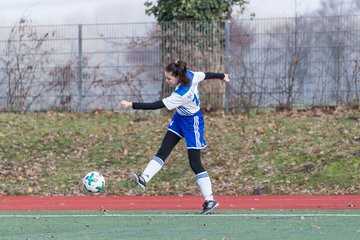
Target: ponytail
(179, 69)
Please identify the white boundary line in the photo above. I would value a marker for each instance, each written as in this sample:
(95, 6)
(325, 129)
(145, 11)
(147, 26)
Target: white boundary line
(170, 215)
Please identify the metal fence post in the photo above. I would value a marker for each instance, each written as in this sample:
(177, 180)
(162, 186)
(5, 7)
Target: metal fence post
(227, 63)
(80, 68)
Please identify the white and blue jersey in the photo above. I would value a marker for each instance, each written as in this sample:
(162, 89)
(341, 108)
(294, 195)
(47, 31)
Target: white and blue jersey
(188, 121)
(186, 99)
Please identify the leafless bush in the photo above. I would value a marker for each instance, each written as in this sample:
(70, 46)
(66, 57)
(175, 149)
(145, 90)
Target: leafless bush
(23, 61)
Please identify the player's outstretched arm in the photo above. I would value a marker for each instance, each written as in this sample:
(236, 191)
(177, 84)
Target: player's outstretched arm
(222, 76)
(145, 106)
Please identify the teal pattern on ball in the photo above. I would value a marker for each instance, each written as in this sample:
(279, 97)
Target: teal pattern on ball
(90, 179)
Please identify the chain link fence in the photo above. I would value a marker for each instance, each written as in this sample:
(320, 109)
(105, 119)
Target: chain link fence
(290, 62)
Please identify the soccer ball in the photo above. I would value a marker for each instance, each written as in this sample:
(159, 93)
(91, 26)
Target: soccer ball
(94, 182)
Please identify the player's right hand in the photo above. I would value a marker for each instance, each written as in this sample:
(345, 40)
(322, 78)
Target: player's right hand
(126, 104)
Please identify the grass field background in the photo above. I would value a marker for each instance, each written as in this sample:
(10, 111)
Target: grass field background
(298, 152)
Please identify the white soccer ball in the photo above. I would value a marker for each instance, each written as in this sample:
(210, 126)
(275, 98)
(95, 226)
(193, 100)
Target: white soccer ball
(94, 182)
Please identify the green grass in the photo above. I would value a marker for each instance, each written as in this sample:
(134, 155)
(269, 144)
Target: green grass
(284, 153)
(289, 225)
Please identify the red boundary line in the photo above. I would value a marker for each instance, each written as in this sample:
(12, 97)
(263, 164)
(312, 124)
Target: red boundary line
(253, 202)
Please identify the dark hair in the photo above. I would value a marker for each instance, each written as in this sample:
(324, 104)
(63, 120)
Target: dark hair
(179, 69)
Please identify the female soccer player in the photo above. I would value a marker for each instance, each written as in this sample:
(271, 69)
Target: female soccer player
(187, 123)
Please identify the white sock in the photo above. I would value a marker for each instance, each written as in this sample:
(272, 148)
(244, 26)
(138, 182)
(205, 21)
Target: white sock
(203, 180)
(153, 167)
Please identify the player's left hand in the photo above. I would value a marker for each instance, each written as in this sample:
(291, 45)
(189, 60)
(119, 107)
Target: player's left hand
(226, 78)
